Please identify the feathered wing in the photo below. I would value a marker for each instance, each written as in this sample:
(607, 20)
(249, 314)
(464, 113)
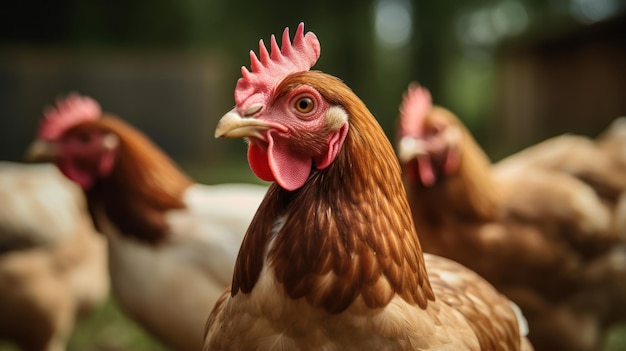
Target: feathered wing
(599, 163)
(578, 156)
(488, 312)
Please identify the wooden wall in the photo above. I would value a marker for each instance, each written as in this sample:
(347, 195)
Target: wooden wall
(570, 81)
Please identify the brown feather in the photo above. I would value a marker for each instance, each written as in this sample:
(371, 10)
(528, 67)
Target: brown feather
(468, 293)
(144, 184)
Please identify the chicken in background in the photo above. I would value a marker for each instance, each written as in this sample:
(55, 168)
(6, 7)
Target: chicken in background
(172, 242)
(600, 163)
(53, 263)
(613, 143)
(331, 260)
(541, 236)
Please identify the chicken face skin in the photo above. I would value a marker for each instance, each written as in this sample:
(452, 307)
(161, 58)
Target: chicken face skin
(299, 130)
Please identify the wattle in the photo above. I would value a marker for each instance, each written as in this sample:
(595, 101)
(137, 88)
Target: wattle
(258, 161)
(82, 177)
(279, 163)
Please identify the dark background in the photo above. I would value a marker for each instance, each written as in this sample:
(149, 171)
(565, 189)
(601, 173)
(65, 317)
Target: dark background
(516, 71)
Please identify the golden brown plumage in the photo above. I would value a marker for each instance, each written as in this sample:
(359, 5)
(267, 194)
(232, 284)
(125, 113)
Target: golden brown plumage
(533, 232)
(394, 256)
(334, 263)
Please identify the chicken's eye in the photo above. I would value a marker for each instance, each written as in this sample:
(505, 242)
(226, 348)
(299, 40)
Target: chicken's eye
(304, 105)
(83, 138)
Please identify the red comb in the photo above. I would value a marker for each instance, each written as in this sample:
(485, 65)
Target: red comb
(268, 70)
(416, 103)
(70, 111)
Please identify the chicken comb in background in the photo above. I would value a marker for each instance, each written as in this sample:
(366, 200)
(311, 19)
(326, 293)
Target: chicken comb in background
(416, 103)
(72, 110)
(270, 68)
(421, 135)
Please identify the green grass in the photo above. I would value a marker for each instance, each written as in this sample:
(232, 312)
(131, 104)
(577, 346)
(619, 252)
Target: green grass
(111, 330)
(107, 329)
(616, 340)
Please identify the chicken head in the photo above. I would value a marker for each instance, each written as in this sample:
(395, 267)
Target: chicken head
(69, 138)
(429, 140)
(290, 127)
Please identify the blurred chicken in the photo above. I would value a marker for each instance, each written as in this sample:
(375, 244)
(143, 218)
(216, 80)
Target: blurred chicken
(52, 262)
(331, 260)
(613, 142)
(172, 243)
(600, 163)
(542, 236)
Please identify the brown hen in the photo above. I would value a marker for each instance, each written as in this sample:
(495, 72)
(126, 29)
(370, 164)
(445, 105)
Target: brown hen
(331, 260)
(543, 237)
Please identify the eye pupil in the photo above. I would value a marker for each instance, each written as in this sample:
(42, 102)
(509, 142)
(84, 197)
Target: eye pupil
(304, 105)
(84, 137)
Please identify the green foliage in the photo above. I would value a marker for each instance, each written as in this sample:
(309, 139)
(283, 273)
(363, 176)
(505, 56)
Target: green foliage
(107, 329)
(616, 340)
(110, 329)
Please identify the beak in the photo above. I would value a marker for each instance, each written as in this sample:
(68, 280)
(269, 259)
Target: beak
(42, 151)
(232, 125)
(409, 148)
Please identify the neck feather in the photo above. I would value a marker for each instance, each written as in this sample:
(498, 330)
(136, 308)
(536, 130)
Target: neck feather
(347, 233)
(469, 195)
(143, 186)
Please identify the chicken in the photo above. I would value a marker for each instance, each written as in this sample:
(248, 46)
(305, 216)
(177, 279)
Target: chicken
(331, 260)
(599, 163)
(53, 267)
(541, 236)
(172, 242)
